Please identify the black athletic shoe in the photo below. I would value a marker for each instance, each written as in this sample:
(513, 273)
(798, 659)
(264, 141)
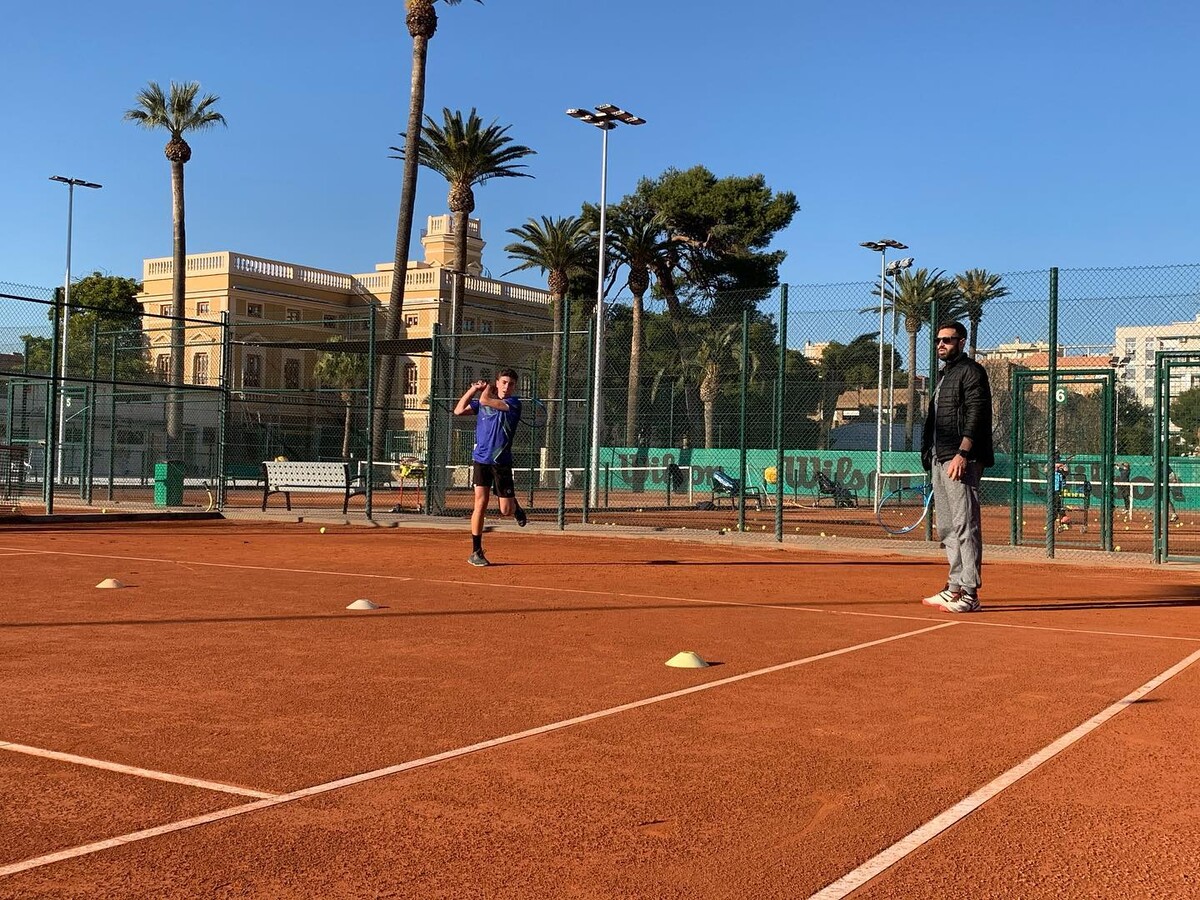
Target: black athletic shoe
(478, 559)
(520, 516)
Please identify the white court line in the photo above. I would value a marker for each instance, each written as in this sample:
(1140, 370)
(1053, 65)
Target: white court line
(176, 562)
(132, 770)
(277, 800)
(927, 832)
(601, 593)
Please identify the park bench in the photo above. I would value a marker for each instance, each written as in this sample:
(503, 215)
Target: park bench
(287, 477)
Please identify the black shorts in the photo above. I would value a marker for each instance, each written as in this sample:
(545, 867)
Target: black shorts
(498, 478)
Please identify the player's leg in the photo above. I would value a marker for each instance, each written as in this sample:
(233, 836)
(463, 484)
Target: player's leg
(483, 478)
(506, 492)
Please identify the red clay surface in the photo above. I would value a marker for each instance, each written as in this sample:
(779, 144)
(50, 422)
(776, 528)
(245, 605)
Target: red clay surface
(1133, 535)
(232, 659)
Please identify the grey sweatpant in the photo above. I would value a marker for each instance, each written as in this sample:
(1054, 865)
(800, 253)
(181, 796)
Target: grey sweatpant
(956, 506)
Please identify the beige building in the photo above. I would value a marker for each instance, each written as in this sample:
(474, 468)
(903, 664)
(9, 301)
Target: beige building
(271, 304)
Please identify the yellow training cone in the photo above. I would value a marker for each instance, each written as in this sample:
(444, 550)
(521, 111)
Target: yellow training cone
(111, 583)
(687, 659)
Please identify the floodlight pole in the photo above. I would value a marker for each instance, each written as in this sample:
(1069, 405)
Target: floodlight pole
(71, 183)
(606, 117)
(880, 247)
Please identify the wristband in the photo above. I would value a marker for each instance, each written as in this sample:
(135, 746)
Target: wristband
(965, 454)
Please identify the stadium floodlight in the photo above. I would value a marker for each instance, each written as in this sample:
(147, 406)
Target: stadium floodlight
(606, 117)
(71, 184)
(881, 247)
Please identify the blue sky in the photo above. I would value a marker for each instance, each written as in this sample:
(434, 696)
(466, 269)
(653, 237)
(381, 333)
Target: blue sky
(1012, 136)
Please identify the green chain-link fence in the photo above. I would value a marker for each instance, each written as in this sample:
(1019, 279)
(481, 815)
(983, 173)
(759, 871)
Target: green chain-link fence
(782, 413)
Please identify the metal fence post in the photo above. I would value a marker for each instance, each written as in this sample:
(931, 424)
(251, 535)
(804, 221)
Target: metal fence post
(587, 430)
(223, 411)
(53, 398)
(85, 481)
(779, 396)
(563, 398)
(745, 364)
(1052, 412)
(370, 484)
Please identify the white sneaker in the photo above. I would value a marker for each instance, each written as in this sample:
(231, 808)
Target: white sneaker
(966, 603)
(943, 598)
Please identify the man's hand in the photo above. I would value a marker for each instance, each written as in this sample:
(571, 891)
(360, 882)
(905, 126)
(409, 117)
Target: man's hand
(478, 386)
(955, 468)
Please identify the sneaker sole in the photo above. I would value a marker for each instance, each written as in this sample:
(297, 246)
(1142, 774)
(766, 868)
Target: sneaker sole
(936, 604)
(479, 565)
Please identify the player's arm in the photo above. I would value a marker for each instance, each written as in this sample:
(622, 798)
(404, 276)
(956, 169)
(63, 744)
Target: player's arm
(487, 398)
(463, 406)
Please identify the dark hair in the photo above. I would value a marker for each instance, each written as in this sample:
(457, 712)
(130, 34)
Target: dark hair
(511, 373)
(959, 328)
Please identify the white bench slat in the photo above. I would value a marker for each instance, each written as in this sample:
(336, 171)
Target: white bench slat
(285, 477)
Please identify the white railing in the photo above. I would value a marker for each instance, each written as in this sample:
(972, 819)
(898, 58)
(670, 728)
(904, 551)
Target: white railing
(445, 225)
(437, 278)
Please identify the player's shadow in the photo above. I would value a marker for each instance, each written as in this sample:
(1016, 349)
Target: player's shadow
(1164, 603)
(1174, 596)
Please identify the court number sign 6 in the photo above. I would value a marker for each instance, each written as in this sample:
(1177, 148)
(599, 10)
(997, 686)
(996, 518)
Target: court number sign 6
(1060, 395)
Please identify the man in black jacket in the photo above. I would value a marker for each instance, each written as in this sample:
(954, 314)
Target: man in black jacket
(956, 446)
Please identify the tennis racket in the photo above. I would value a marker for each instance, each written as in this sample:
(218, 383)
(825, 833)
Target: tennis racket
(905, 508)
(533, 414)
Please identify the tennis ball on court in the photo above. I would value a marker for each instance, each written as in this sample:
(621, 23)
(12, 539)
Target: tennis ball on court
(322, 530)
(822, 534)
(104, 510)
(1117, 548)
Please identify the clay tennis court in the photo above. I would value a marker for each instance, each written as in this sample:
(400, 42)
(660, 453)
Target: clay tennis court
(224, 727)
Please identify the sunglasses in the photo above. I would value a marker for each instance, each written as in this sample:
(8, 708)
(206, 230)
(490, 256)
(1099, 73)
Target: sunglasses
(948, 340)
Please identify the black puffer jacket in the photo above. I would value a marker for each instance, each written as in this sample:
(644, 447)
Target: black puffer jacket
(964, 409)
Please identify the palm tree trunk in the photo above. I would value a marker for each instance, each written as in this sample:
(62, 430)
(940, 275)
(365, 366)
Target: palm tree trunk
(634, 394)
(974, 335)
(708, 423)
(910, 398)
(386, 379)
(178, 291)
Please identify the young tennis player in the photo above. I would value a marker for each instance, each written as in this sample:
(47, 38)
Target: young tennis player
(498, 410)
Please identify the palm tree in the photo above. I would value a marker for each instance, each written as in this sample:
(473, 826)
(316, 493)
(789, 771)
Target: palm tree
(637, 240)
(976, 287)
(422, 24)
(466, 153)
(561, 248)
(714, 350)
(912, 296)
(177, 111)
(346, 373)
